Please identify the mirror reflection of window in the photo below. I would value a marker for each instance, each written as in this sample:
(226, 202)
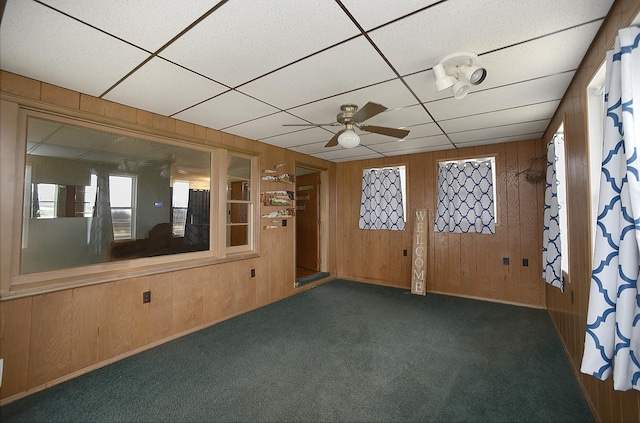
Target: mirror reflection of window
(93, 196)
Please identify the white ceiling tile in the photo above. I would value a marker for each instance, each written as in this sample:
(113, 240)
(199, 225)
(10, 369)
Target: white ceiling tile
(373, 13)
(391, 94)
(500, 132)
(301, 139)
(439, 140)
(369, 138)
(524, 137)
(419, 150)
(164, 88)
(529, 92)
(315, 148)
(424, 130)
(98, 60)
(148, 24)
(346, 67)
(271, 126)
(556, 53)
(351, 159)
(487, 25)
(228, 109)
(354, 153)
(245, 39)
(400, 118)
(515, 115)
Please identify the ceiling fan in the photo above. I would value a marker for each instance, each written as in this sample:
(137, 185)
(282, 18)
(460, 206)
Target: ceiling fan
(351, 117)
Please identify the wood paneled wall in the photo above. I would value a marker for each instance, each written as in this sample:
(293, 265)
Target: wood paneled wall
(48, 338)
(569, 316)
(459, 264)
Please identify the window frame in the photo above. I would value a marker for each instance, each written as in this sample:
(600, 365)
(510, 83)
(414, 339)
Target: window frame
(15, 285)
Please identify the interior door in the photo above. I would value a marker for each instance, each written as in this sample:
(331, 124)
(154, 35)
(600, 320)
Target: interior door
(307, 221)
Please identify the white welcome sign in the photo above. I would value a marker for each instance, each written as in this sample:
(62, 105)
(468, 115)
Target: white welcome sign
(418, 259)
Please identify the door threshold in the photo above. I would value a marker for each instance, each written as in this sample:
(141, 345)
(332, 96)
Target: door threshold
(311, 278)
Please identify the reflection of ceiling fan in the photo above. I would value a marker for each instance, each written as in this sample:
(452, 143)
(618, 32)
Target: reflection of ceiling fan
(351, 117)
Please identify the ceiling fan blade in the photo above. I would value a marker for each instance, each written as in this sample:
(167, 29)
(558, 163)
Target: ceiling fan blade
(334, 141)
(368, 111)
(392, 132)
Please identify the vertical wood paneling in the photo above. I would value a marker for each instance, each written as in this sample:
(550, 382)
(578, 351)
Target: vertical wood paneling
(126, 325)
(85, 328)
(161, 306)
(50, 345)
(15, 327)
(188, 301)
(514, 292)
(529, 227)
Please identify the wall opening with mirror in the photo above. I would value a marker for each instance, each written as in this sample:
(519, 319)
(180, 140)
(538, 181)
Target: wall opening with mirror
(94, 196)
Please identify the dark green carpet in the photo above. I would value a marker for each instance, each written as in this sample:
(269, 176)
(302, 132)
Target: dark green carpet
(343, 351)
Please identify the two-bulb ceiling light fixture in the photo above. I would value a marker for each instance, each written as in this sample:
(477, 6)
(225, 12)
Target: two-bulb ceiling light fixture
(459, 71)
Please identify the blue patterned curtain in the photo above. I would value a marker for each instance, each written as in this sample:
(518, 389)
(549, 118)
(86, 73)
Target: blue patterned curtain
(551, 242)
(196, 229)
(381, 206)
(612, 341)
(465, 197)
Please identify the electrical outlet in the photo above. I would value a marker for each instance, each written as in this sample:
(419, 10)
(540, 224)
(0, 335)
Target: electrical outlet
(284, 222)
(146, 297)
(404, 252)
(525, 262)
(253, 273)
(505, 261)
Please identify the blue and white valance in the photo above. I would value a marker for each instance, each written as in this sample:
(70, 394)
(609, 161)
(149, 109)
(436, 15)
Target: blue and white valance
(612, 341)
(465, 197)
(381, 206)
(551, 235)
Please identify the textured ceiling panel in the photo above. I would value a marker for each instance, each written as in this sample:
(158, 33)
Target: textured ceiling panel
(248, 67)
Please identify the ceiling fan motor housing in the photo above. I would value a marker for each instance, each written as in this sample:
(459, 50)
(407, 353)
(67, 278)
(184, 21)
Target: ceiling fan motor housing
(348, 110)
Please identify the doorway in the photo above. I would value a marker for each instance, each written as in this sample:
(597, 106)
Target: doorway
(308, 223)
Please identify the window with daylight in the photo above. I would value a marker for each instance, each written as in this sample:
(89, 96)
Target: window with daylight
(555, 257)
(383, 202)
(466, 196)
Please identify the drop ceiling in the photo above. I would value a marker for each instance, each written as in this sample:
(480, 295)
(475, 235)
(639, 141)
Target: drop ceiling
(247, 67)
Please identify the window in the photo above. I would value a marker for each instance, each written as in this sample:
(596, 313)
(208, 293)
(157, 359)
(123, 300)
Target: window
(179, 202)
(466, 196)
(122, 197)
(102, 195)
(384, 196)
(239, 210)
(595, 112)
(555, 257)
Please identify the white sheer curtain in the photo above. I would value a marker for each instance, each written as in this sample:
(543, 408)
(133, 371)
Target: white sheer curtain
(381, 206)
(101, 230)
(465, 197)
(551, 237)
(612, 341)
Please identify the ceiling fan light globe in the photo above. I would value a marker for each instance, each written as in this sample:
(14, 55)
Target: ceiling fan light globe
(474, 74)
(349, 139)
